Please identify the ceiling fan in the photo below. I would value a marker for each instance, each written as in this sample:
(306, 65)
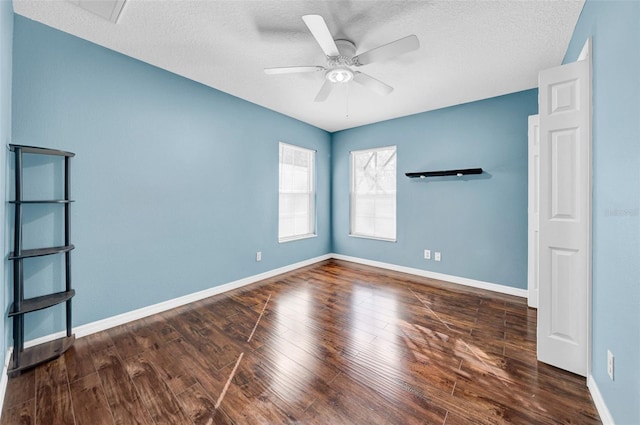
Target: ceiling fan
(341, 59)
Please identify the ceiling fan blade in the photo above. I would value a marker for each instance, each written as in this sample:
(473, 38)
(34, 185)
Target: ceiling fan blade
(320, 32)
(373, 84)
(324, 92)
(292, 69)
(388, 51)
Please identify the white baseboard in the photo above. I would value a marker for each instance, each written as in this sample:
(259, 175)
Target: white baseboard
(5, 377)
(439, 276)
(601, 406)
(120, 319)
(110, 322)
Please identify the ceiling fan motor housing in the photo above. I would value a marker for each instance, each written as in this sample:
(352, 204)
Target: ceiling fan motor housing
(339, 70)
(346, 48)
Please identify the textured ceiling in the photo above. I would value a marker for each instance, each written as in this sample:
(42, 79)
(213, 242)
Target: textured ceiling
(470, 50)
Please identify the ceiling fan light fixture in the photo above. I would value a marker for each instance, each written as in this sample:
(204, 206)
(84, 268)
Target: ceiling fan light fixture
(339, 75)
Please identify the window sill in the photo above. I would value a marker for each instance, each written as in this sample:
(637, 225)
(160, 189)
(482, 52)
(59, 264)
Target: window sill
(297, 238)
(375, 238)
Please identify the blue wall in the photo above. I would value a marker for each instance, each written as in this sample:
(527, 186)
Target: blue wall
(176, 184)
(6, 41)
(615, 29)
(478, 223)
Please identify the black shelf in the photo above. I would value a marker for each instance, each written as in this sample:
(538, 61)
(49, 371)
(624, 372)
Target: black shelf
(39, 303)
(40, 151)
(26, 358)
(39, 252)
(460, 172)
(33, 356)
(43, 201)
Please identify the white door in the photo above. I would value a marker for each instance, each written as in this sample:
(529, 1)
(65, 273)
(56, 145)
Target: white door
(533, 211)
(565, 216)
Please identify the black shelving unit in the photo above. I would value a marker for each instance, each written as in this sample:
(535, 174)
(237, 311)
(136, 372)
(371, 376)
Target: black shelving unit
(459, 173)
(22, 358)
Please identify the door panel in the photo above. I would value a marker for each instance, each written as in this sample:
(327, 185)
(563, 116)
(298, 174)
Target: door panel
(564, 158)
(563, 266)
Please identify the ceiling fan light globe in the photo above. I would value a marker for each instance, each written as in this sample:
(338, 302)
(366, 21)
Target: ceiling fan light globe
(339, 75)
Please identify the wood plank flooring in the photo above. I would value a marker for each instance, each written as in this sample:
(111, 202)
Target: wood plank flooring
(332, 343)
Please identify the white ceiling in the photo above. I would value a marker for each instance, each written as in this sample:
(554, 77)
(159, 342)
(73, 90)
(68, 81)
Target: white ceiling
(470, 50)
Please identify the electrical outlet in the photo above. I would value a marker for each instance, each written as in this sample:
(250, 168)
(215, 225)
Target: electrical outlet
(427, 254)
(437, 256)
(259, 256)
(610, 359)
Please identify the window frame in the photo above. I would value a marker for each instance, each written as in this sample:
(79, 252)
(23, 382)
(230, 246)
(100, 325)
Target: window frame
(352, 197)
(312, 219)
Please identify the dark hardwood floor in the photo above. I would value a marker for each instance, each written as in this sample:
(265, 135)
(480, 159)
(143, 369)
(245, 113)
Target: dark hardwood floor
(333, 343)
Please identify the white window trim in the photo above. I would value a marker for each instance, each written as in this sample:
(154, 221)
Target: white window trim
(351, 194)
(313, 220)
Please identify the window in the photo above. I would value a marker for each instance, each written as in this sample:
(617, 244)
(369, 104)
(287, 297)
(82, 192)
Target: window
(297, 203)
(373, 193)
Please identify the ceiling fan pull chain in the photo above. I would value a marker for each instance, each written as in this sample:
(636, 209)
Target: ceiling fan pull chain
(347, 101)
